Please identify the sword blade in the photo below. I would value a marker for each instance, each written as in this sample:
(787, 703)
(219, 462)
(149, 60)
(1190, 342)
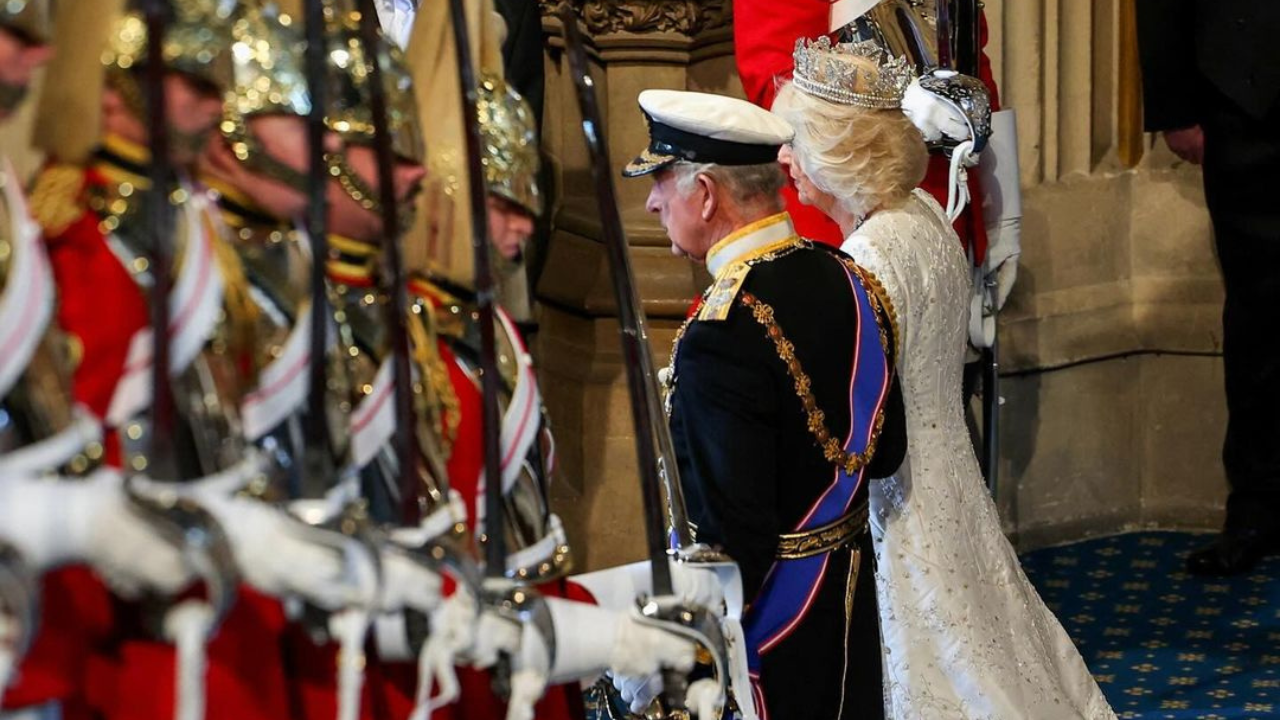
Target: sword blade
(162, 461)
(495, 551)
(317, 465)
(394, 281)
(946, 38)
(646, 414)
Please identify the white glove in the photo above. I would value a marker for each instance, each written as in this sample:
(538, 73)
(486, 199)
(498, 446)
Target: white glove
(494, 635)
(278, 554)
(617, 588)
(592, 639)
(407, 583)
(638, 691)
(934, 117)
(1004, 247)
(54, 522)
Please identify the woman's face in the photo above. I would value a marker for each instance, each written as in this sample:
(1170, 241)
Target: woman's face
(808, 192)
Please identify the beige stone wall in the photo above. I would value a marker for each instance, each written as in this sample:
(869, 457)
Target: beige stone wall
(1110, 343)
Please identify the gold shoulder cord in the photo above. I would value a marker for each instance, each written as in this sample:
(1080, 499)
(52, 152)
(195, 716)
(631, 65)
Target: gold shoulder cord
(880, 302)
(446, 411)
(831, 448)
(55, 197)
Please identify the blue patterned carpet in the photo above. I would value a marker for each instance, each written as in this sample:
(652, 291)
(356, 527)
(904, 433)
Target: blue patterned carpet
(1164, 644)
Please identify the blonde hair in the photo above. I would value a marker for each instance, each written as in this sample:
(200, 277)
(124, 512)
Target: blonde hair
(866, 159)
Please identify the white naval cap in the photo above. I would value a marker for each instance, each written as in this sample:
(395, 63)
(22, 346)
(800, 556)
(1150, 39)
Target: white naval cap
(705, 128)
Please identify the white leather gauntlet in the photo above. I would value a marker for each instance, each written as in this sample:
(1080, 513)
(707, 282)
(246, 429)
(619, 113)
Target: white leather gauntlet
(54, 522)
(591, 639)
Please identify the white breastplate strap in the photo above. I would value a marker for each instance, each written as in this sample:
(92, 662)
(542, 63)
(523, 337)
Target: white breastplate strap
(282, 384)
(542, 550)
(51, 453)
(194, 307)
(522, 419)
(374, 419)
(27, 301)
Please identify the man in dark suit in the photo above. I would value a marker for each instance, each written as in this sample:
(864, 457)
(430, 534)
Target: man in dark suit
(1211, 81)
(782, 401)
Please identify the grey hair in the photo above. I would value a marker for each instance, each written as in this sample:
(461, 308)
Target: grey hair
(748, 185)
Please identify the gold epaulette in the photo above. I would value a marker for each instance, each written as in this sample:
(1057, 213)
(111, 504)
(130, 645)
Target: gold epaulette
(450, 312)
(56, 197)
(718, 301)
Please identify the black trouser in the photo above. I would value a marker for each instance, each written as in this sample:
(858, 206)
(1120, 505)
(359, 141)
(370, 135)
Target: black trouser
(805, 675)
(1242, 177)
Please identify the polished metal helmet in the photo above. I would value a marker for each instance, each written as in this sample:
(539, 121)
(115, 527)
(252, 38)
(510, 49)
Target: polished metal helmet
(350, 108)
(197, 42)
(350, 113)
(267, 54)
(509, 132)
(904, 28)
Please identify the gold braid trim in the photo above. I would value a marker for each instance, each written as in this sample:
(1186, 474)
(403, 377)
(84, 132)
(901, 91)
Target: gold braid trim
(880, 302)
(442, 399)
(831, 447)
(55, 197)
(241, 310)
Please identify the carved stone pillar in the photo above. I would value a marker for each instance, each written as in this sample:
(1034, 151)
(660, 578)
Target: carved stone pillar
(634, 45)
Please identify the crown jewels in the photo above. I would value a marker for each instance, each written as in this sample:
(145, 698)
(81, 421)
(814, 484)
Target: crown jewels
(860, 73)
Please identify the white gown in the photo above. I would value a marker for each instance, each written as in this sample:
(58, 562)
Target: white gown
(965, 633)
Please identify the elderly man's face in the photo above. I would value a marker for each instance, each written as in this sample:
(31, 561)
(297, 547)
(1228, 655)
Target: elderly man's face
(680, 216)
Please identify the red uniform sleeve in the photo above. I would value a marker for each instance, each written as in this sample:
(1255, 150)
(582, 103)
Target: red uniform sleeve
(764, 36)
(99, 304)
(77, 616)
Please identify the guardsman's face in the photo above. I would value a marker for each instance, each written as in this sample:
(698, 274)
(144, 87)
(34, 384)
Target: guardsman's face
(680, 216)
(19, 59)
(285, 139)
(194, 109)
(509, 226)
(347, 217)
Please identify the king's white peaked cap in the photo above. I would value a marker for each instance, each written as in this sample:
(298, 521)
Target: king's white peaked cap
(716, 116)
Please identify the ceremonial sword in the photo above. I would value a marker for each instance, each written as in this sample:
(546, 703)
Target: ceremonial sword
(668, 536)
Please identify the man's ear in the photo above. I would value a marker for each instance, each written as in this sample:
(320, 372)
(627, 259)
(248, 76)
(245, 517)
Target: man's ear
(711, 203)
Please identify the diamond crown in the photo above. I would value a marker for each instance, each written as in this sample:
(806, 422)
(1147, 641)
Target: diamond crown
(860, 73)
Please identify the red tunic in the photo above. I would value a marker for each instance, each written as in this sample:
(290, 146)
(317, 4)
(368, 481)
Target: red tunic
(132, 676)
(764, 38)
(466, 461)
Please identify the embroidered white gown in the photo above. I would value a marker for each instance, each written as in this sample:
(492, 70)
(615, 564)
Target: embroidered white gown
(966, 636)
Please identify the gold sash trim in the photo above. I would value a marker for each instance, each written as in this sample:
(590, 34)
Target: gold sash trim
(823, 539)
